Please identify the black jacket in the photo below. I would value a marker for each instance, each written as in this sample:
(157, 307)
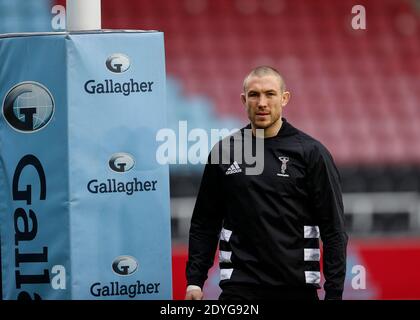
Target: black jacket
(268, 225)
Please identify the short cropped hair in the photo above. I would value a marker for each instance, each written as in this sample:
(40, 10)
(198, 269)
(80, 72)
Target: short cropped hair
(262, 71)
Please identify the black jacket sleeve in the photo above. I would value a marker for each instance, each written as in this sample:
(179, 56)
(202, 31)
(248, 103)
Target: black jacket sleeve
(206, 224)
(327, 200)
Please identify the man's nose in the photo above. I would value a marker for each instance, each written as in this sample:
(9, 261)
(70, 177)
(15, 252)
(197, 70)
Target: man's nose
(262, 101)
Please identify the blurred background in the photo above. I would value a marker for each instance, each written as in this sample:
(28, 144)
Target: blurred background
(356, 90)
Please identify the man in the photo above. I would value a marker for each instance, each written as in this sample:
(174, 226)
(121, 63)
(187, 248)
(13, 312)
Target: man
(268, 225)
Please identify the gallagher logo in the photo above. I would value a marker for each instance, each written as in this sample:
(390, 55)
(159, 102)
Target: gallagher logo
(121, 162)
(118, 63)
(124, 265)
(28, 107)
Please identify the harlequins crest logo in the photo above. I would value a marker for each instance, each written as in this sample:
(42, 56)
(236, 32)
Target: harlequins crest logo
(284, 161)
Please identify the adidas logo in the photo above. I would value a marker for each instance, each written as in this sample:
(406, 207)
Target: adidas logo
(234, 168)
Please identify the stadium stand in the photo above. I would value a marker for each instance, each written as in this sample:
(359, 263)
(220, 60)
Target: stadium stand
(24, 16)
(356, 90)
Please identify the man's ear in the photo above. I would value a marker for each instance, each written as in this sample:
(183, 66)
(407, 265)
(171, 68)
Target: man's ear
(285, 98)
(243, 98)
